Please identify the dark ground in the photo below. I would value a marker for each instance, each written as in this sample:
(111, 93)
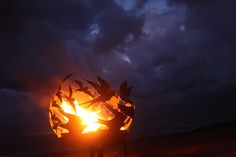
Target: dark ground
(214, 141)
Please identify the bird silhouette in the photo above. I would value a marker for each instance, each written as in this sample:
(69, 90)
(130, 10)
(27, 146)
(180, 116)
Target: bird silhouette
(70, 99)
(103, 89)
(58, 93)
(54, 104)
(124, 91)
(67, 77)
(82, 88)
(117, 122)
(127, 110)
(55, 120)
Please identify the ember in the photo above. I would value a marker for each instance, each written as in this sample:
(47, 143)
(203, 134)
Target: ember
(80, 108)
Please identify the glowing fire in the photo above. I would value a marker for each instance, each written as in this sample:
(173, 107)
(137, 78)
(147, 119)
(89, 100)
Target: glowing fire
(90, 119)
(70, 109)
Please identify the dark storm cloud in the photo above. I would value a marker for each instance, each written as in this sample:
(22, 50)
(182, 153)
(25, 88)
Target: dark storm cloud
(192, 65)
(211, 25)
(34, 35)
(66, 15)
(19, 114)
(194, 48)
(124, 24)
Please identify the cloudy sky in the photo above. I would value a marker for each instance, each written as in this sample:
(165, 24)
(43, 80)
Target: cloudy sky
(179, 55)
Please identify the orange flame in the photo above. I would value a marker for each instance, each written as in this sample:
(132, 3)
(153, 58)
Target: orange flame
(90, 119)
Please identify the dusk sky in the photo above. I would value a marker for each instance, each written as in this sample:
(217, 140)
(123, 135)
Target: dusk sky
(179, 56)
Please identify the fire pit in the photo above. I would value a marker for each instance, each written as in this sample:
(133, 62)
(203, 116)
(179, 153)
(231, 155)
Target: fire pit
(91, 112)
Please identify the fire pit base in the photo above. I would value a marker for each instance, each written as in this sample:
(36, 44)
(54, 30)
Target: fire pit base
(98, 138)
(98, 151)
(96, 141)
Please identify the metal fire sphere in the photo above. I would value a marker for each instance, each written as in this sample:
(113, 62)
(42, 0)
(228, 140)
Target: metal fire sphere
(91, 109)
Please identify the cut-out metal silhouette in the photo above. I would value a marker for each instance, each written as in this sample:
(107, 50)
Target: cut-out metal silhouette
(81, 108)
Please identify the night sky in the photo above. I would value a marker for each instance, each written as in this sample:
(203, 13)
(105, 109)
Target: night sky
(179, 56)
